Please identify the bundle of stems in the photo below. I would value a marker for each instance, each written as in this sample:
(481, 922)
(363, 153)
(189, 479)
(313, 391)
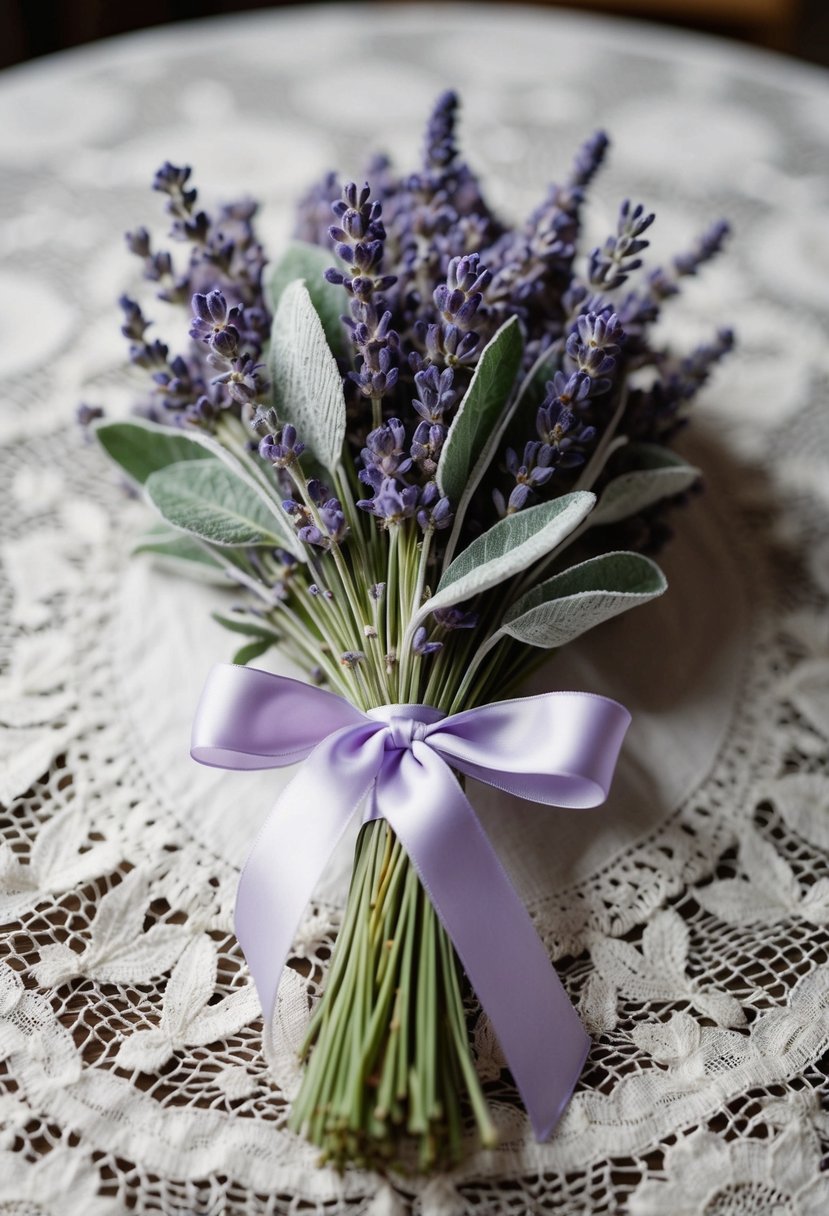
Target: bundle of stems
(389, 1044)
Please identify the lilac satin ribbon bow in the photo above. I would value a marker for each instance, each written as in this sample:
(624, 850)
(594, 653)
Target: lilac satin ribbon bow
(559, 748)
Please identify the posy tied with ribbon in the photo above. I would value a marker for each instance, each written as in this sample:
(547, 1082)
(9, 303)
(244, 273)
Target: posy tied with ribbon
(396, 762)
(415, 446)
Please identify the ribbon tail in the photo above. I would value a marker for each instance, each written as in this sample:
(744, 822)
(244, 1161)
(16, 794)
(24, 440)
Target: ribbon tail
(539, 1031)
(293, 848)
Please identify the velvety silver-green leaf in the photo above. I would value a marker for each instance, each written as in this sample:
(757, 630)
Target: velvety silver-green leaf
(205, 498)
(578, 599)
(308, 388)
(310, 262)
(508, 548)
(661, 474)
(250, 628)
(250, 651)
(141, 448)
(484, 401)
(180, 553)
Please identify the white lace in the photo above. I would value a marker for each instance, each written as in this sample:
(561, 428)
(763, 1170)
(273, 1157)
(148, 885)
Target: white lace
(689, 917)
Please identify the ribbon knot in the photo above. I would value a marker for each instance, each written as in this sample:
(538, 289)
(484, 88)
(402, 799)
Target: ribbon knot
(558, 748)
(405, 731)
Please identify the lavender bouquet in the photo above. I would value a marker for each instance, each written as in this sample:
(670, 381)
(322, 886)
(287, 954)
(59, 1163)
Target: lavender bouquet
(426, 447)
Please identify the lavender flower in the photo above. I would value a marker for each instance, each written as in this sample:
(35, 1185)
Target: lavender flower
(87, 414)
(392, 502)
(282, 449)
(421, 646)
(434, 511)
(223, 280)
(384, 455)
(654, 414)
(611, 264)
(455, 618)
(436, 397)
(243, 380)
(215, 324)
(334, 527)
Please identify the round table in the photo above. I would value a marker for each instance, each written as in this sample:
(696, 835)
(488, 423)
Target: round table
(689, 917)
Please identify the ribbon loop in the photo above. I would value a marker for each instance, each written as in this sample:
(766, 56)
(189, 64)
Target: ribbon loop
(558, 748)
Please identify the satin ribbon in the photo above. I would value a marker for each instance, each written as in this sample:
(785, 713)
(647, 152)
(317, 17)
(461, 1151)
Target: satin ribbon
(559, 748)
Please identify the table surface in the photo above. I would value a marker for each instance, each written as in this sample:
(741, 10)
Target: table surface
(689, 917)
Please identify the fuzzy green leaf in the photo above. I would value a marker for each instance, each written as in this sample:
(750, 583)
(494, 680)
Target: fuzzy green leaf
(250, 628)
(183, 554)
(460, 467)
(142, 448)
(661, 474)
(251, 650)
(310, 262)
(578, 599)
(308, 388)
(506, 549)
(205, 498)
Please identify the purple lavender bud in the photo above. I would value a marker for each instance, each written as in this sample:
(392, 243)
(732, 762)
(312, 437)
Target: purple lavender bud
(436, 396)
(333, 517)
(211, 309)
(518, 499)
(707, 247)
(159, 266)
(440, 149)
(455, 618)
(138, 242)
(421, 646)
(264, 419)
(385, 452)
(610, 265)
(171, 179)
(202, 412)
(149, 354)
(311, 535)
(244, 382)
(427, 443)
(588, 160)
(392, 502)
(351, 658)
(433, 511)
(282, 449)
(87, 414)
(135, 323)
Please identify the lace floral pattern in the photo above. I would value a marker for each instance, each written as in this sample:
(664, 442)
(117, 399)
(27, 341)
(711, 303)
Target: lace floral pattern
(694, 943)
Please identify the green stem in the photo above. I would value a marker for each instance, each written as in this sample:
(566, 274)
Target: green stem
(390, 1059)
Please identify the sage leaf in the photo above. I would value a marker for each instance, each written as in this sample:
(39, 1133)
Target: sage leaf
(308, 388)
(142, 448)
(205, 498)
(251, 650)
(182, 554)
(578, 599)
(244, 625)
(474, 423)
(310, 262)
(661, 474)
(506, 549)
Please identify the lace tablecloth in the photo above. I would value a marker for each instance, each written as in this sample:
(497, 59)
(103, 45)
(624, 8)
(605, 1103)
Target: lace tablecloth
(688, 917)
